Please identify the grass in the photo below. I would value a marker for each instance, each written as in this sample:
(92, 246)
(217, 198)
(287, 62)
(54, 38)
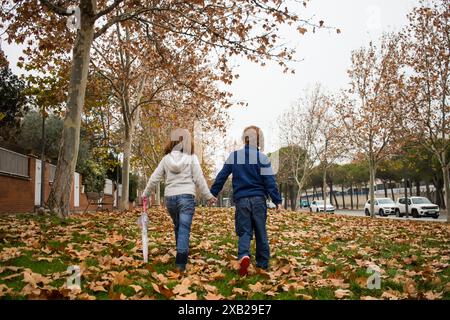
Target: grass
(312, 256)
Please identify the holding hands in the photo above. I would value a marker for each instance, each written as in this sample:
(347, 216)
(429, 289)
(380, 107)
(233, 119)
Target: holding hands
(212, 201)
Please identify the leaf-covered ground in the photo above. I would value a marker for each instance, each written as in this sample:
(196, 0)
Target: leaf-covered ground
(313, 257)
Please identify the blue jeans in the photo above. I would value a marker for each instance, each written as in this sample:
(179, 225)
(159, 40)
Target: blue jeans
(181, 209)
(250, 217)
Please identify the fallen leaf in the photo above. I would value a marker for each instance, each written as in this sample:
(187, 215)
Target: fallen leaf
(136, 288)
(257, 287)
(341, 293)
(212, 296)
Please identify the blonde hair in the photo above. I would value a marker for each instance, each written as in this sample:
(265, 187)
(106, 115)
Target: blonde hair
(252, 135)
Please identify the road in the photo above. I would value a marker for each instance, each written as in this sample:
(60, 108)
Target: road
(360, 213)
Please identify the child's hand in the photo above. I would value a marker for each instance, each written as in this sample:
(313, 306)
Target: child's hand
(279, 208)
(212, 201)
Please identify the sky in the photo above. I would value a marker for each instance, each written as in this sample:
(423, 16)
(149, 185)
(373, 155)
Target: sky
(325, 57)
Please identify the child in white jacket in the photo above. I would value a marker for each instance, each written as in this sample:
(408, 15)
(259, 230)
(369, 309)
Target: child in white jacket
(183, 173)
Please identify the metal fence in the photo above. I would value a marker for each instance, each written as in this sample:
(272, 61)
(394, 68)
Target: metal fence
(13, 163)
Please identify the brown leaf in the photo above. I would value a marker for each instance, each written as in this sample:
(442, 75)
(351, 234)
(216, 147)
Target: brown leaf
(257, 287)
(192, 296)
(368, 298)
(341, 293)
(212, 296)
(240, 291)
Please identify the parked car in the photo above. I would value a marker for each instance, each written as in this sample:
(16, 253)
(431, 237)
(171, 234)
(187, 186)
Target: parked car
(418, 207)
(318, 206)
(383, 207)
(304, 204)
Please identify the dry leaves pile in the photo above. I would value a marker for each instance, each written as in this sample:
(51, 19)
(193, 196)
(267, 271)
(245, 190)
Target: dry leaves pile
(313, 257)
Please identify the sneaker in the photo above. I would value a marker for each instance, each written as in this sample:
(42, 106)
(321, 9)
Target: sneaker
(245, 262)
(181, 268)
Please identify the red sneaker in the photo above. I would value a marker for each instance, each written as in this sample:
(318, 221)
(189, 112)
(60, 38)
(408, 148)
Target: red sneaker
(245, 262)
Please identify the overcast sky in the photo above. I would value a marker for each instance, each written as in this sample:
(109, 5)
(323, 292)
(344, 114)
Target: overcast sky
(325, 55)
(325, 58)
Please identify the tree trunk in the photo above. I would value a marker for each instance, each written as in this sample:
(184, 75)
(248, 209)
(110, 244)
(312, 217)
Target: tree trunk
(331, 193)
(343, 197)
(445, 173)
(410, 188)
(427, 186)
(131, 119)
(438, 193)
(59, 198)
(124, 200)
(335, 199)
(371, 189)
(351, 195)
(324, 188)
(286, 197)
(357, 198)
(392, 189)
(385, 189)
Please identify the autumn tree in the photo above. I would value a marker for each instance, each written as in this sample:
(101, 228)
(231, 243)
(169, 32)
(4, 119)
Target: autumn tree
(13, 101)
(221, 27)
(144, 71)
(426, 41)
(328, 143)
(300, 126)
(367, 110)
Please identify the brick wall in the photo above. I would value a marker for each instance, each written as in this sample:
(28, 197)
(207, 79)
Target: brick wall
(17, 193)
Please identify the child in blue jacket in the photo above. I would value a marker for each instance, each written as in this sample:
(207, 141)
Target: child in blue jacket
(253, 181)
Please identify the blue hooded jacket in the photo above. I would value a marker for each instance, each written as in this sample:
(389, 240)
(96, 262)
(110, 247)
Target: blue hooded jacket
(252, 175)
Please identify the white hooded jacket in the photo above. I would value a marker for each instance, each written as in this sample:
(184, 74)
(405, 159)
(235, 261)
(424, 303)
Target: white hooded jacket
(183, 173)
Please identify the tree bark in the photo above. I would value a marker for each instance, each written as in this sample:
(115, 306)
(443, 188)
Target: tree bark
(59, 198)
(418, 188)
(343, 197)
(385, 189)
(293, 197)
(124, 200)
(357, 199)
(392, 189)
(410, 188)
(445, 173)
(371, 189)
(131, 118)
(351, 195)
(427, 186)
(367, 193)
(324, 188)
(285, 196)
(334, 197)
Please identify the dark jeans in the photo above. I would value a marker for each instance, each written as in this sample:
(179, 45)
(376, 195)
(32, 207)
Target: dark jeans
(181, 209)
(251, 216)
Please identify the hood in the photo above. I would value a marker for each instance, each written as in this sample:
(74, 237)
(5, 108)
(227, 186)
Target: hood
(177, 161)
(388, 205)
